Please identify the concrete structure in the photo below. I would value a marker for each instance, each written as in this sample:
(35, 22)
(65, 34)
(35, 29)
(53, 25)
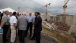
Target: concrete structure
(44, 16)
(73, 26)
(49, 26)
(69, 19)
(52, 18)
(49, 17)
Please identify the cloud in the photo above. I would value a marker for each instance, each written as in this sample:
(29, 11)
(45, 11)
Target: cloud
(35, 5)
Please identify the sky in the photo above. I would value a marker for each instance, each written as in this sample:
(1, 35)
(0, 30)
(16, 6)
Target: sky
(56, 6)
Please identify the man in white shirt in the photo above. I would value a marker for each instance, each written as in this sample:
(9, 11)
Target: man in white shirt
(13, 23)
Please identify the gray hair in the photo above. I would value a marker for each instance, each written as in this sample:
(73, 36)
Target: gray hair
(24, 13)
(5, 11)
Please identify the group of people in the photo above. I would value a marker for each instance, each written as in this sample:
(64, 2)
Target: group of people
(14, 24)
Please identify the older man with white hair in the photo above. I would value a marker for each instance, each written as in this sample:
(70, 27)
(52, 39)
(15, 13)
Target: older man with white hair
(5, 25)
(24, 13)
(22, 25)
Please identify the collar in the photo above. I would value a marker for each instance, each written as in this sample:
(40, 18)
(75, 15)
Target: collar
(38, 16)
(5, 15)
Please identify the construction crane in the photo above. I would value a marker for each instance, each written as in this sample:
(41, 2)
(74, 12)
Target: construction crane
(46, 9)
(64, 8)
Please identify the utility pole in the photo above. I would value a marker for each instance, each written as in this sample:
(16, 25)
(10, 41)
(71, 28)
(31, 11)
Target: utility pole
(18, 9)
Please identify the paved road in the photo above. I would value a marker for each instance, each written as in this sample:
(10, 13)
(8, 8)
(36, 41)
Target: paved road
(44, 39)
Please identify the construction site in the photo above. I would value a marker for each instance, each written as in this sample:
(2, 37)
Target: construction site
(62, 27)
(59, 28)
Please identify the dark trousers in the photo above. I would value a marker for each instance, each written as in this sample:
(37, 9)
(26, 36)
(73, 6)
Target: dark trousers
(29, 26)
(5, 30)
(22, 35)
(34, 35)
(0, 21)
(9, 33)
(38, 36)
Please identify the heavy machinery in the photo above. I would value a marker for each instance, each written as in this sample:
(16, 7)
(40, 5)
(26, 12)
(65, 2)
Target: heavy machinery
(64, 8)
(46, 9)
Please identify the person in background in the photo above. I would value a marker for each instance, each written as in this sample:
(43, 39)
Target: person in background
(9, 30)
(30, 23)
(22, 26)
(5, 25)
(9, 15)
(13, 25)
(0, 17)
(24, 13)
(37, 27)
(17, 31)
(17, 15)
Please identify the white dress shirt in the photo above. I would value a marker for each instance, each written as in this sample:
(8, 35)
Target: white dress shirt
(13, 20)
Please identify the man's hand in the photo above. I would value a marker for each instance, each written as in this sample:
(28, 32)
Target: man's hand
(2, 24)
(32, 24)
(15, 25)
